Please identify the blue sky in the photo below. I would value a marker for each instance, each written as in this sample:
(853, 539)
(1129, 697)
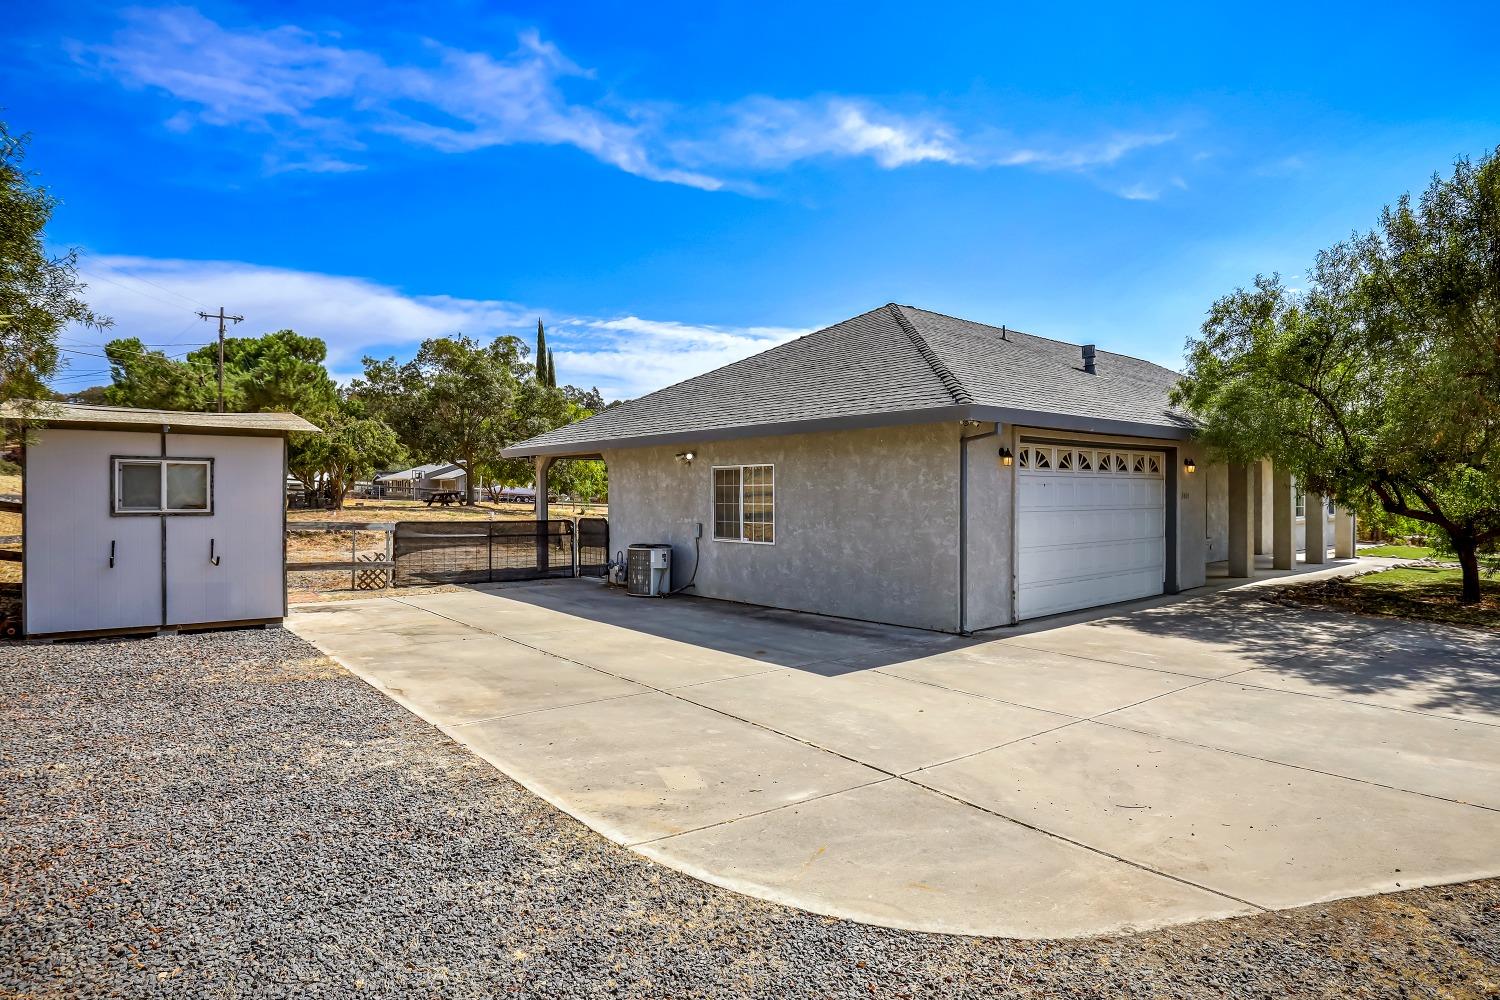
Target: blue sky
(675, 185)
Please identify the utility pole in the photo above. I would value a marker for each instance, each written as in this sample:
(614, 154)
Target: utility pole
(221, 317)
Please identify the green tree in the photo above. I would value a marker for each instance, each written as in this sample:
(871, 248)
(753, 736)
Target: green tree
(277, 372)
(455, 401)
(1379, 383)
(584, 480)
(551, 370)
(542, 357)
(39, 293)
(352, 446)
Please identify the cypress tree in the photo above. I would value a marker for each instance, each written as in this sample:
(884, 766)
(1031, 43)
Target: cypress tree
(543, 358)
(551, 370)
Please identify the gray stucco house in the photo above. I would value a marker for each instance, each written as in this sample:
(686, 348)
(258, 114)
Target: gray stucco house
(908, 467)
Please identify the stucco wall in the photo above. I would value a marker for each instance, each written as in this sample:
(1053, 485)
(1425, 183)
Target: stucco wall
(1216, 511)
(866, 521)
(987, 602)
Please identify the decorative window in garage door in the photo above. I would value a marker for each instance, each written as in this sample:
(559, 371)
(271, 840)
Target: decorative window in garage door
(1081, 461)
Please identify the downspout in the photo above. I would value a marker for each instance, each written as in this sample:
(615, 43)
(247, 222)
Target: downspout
(963, 523)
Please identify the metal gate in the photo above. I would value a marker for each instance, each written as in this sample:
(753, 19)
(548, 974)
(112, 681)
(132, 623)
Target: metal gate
(593, 546)
(482, 551)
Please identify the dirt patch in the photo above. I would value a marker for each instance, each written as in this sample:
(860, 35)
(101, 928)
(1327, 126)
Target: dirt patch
(1419, 592)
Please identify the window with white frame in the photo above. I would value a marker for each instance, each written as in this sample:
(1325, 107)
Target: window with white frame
(745, 503)
(163, 486)
(1301, 504)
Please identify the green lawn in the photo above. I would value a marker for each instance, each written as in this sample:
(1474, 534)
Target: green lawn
(1421, 592)
(1398, 551)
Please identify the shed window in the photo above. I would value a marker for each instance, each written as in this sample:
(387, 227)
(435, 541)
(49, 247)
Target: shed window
(163, 486)
(745, 504)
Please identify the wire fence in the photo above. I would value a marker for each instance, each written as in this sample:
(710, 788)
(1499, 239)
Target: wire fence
(427, 552)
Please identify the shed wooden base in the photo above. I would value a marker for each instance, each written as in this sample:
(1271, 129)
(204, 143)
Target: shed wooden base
(110, 633)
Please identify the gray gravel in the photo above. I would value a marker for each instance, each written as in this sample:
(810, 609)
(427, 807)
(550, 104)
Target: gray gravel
(231, 815)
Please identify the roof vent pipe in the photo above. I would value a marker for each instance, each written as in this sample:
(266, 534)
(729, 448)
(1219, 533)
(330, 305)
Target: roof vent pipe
(1088, 358)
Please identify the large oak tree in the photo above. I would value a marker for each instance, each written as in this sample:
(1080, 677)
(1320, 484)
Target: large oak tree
(1378, 383)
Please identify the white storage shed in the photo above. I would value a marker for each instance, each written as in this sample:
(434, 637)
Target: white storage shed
(136, 520)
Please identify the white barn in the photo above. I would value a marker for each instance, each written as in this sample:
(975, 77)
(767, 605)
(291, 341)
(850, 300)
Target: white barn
(137, 520)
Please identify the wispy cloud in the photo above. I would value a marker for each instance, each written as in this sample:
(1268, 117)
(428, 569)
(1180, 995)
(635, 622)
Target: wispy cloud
(156, 300)
(322, 104)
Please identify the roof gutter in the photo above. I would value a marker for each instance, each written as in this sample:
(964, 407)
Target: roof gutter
(593, 448)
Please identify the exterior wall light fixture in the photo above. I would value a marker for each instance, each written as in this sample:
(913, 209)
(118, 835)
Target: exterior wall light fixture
(1189, 466)
(1006, 458)
(686, 457)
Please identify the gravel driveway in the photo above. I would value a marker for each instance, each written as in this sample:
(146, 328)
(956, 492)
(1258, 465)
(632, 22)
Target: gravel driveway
(231, 815)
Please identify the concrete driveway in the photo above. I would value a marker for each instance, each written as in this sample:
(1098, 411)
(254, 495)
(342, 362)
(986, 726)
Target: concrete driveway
(1192, 759)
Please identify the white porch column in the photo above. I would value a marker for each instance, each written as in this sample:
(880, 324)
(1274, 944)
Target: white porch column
(1258, 511)
(1343, 534)
(543, 463)
(1283, 521)
(543, 554)
(1241, 526)
(1317, 529)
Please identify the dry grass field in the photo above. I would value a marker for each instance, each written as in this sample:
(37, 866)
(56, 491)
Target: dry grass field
(342, 545)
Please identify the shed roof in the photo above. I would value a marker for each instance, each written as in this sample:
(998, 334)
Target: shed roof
(895, 364)
(129, 418)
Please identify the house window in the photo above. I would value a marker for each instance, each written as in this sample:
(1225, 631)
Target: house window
(1301, 504)
(163, 486)
(745, 503)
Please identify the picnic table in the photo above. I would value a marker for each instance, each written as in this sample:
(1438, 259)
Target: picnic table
(445, 497)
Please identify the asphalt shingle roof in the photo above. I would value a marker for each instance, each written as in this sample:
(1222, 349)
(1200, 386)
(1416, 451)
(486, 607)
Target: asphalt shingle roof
(133, 418)
(893, 361)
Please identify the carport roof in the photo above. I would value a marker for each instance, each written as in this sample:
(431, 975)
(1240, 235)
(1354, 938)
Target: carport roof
(893, 365)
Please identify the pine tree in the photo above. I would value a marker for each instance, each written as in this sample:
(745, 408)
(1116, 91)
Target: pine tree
(543, 359)
(551, 370)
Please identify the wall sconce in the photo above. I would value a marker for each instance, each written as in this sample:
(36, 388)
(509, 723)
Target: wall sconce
(686, 457)
(1189, 466)
(1006, 458)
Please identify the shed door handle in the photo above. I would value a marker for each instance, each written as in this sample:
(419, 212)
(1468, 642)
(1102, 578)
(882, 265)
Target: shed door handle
(111, 553)
(211, 557)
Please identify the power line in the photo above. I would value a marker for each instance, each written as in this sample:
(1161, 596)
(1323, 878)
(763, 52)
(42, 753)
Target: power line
(148, 281)
(180, 358)
(130, 288)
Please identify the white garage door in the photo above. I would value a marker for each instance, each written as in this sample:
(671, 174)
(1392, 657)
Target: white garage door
(1091, 527)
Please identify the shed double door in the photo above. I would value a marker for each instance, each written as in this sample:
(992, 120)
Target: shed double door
(227, 566)
(88, 568)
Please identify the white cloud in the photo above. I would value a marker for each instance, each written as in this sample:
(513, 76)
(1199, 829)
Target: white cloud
(1087, 155)
(1139, 192)
(769, 132)
(322, 103)
(156, 300)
